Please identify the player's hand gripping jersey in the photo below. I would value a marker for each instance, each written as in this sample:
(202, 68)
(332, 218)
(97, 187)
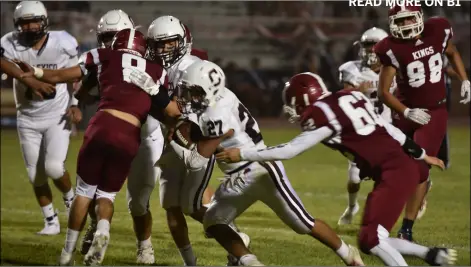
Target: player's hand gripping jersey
(116, 90)
(419, 64)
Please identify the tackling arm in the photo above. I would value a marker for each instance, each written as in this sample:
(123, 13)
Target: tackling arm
(71, 74)
(198, 157)
(298, 145)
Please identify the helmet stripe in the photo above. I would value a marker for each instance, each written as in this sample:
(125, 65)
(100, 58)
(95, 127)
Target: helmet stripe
(131, 38)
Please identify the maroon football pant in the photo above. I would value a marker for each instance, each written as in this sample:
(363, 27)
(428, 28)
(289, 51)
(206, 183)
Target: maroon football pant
(109, 147)
(394, 185)
(429, 136)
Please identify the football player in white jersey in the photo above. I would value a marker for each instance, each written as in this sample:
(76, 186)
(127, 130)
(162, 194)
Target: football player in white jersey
(363, 75)
(181, 190)
(226, 123)
(43, 122)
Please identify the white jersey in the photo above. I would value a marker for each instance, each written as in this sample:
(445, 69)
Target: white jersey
(354, 73)
(228, 113)
(59, 51)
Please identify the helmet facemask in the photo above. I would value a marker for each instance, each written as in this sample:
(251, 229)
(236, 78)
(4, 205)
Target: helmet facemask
(367, 56)
(105, 39)
(401, 30)
(170, 49)
(30, 37)
(192, 98)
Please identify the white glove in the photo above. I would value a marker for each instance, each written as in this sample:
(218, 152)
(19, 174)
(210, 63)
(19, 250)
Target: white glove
(144, 81)
(417, 115)
(290, 113)
(465, 92)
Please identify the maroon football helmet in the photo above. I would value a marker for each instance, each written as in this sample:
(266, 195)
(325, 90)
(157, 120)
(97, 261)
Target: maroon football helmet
(398, 17)
(131, 41)
(301, 91)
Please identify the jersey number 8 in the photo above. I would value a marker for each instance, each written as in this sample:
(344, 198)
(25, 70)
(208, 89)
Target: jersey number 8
(130, 62)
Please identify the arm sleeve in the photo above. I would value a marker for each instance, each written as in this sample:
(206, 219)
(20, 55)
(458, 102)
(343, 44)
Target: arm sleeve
(385, 54)
(409, 146)
(161, 100)
(289, 150)
(90, 61)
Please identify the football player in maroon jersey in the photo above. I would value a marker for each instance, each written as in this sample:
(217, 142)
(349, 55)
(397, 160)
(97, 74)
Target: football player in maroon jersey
(414, 53)
(346, 121)
(112, 138)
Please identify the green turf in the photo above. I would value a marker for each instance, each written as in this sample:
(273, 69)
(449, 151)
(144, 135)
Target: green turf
(319, 177)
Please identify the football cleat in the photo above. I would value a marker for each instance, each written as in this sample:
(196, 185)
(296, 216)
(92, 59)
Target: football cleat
(250, 260)
(441, 256)
(348, 214)
(68, 205)
(51, 226)
(405, 234)
(88, 238)
(66, 258)
(145, 255)
(96, 253)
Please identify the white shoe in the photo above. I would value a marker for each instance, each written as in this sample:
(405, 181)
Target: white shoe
(51, 227)
(250, 260)
(145, 255)
(354, 258)
(97, 251)
(348, 214)
(66, 258)
(88, 238)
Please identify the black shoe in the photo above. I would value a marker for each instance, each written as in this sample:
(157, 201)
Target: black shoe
(405, 234)
(441, 256)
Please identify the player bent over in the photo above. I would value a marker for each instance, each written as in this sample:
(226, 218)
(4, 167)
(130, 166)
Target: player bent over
(112, 138)
(347, 122)
(225, 122)
(414, 53)
(44, 118)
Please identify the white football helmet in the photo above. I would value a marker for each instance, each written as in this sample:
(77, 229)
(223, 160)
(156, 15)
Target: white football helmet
(111, 23)
(200, 86)
(25, 12)
(163, 31)
(369, 38)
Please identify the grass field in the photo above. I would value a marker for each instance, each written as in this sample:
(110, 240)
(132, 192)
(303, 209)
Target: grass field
(319, 177)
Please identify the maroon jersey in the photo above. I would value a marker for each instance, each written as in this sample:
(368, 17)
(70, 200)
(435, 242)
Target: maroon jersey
(419, 64)
(199, 53)
(116, 90)
(358, 130)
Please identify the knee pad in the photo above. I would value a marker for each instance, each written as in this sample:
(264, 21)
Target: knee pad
(353, 174)
(107, 195)
(54, 169)
(210, 219)
(84, 189)
(370, 236)
(138, 207)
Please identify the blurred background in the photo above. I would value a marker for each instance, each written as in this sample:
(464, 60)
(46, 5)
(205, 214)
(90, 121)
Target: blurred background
(258, 44)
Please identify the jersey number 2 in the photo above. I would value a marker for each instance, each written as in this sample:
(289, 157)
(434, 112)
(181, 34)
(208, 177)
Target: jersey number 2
(364, 119)
(130, 62)
(251, 129)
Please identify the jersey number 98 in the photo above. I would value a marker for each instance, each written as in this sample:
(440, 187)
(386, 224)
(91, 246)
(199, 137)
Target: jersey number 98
(416, 71)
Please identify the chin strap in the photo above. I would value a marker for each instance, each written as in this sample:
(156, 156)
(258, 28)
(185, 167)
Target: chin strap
(290, 113)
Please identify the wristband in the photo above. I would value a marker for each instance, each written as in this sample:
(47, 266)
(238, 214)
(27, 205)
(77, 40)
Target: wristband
(38, 72)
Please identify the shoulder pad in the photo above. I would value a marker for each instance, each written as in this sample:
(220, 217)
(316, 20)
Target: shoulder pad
(69, 43)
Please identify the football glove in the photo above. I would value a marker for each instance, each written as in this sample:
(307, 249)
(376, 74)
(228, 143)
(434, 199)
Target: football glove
(465, 92)
(144, 81)
(417, 115)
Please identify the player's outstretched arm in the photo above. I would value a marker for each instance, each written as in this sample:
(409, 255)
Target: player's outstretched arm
(458, 65)
(71, 74)
(386, 77)
(38, 87)
(298, 145)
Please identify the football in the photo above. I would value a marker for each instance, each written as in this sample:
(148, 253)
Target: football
(183, 135)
